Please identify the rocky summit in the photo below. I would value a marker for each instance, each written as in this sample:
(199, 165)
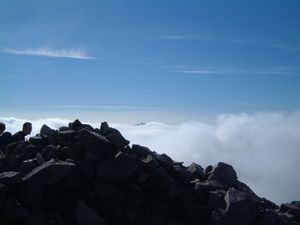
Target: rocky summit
(80, 175)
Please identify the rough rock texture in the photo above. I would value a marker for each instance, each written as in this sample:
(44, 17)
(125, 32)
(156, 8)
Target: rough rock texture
(78, 175)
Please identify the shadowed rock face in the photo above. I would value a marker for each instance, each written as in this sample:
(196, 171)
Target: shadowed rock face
(79, 175)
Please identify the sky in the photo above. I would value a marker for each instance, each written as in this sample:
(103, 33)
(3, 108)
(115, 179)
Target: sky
(157, 58)
(212, 80)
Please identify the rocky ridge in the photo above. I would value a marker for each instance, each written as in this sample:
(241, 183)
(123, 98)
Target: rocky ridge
(79, 175)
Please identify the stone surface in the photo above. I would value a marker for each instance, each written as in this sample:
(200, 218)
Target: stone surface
(224, 173)
(10, 178)
(87, 215)
(292, 208)
(241, 208)
(119, 169)
(196, 170)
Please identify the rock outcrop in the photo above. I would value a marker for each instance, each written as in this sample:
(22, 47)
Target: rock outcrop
(79, 175)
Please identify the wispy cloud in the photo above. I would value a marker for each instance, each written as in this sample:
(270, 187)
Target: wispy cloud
(284, 46)
(232, 39)
(291, 71)
(108, 107)
(197, 71)
(190, 37)
(45, 51)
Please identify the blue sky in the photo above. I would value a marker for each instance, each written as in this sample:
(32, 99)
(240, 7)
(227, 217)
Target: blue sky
(193, 57)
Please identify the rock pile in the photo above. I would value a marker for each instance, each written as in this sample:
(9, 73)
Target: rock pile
(79, 175)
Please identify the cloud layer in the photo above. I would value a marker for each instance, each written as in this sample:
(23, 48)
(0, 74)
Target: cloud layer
(61, 53)
(264, 148)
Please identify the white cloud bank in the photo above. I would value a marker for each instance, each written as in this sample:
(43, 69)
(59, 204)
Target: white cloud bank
(264, 148)
(61, 53)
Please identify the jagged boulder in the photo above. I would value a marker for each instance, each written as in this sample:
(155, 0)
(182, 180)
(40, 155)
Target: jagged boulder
(119, 169)
(18, 152)
(48, 132)
(48, 173)
(114, 136)
(196, 170)
(241, 208)
(224, 173)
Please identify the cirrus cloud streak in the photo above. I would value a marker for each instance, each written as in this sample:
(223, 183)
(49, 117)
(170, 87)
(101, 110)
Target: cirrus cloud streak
(45, 51)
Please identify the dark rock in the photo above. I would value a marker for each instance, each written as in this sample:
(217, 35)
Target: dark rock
(241, 208)
(209, 185)
(271, 217)
(86, 215)
(28, 165)
(49, 152)
(176, 223)
(18, 152)
(224, 173)
(106, 191)
(197, 213)
(76, 125)
(141, 152)
(66, 152)
(267, 204)
(292, 208)
(103, 127)
(218, 217)
(13, 212)
(216, 199)
(63, 128)
(207, 170)
(166, 162)
(152, 221)
(87, 138)
(116, 138)
(44, 217)
(50, 172)
(10, 178)
(202, 189)
(11, 148)
(182, 174)
(84, 168)
(37, 141)
(50, 135)
(119, 169)
(156, 179)
(244, 188)
(66, 137)
(3, 163)
(48, 132)
(47, 173)
(3, 194)
(92, 153)
(196, 170)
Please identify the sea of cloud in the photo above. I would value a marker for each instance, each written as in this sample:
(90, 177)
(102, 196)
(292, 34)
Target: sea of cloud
(263, 147)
